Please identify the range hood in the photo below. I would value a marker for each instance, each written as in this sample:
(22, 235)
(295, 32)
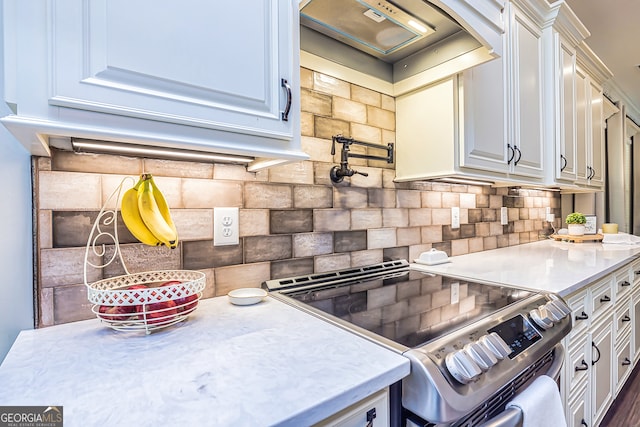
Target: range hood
(396, 40)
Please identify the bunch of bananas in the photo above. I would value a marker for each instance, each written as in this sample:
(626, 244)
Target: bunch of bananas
(146, 214)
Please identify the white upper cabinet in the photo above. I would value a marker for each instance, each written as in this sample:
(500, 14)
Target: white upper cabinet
(213, 76)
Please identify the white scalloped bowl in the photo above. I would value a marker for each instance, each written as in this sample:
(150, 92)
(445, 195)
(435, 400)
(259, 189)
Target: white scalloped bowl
(246, 296)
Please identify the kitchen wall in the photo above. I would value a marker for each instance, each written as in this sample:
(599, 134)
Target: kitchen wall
(293, 219)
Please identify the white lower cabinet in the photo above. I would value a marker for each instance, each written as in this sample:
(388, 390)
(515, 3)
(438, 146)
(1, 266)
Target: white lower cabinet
(603, 346)
(372, 411)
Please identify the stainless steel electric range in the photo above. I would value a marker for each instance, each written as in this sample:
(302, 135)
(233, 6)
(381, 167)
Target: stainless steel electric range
(472, 345)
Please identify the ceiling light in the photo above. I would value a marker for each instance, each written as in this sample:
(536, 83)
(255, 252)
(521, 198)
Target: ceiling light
(104, 147)
(417, 26)
(463, 181)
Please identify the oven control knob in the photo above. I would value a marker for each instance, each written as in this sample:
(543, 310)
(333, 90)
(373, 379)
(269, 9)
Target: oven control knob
(542, 317)
(560, 306)
(483, 357)
(496, 345)
(462, 367)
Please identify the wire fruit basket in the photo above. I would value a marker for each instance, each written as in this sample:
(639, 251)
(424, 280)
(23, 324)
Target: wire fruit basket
(144, 301)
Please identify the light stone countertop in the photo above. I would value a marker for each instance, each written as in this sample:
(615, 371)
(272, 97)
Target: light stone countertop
(260, 365)
(546, 265)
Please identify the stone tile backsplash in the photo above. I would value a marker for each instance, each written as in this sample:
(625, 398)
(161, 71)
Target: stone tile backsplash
(293, 219)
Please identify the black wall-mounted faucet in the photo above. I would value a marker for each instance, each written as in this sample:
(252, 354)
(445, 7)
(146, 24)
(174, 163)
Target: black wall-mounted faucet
(338, 173)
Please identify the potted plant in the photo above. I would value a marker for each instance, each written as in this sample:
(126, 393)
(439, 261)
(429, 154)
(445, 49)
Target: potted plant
(576, 221)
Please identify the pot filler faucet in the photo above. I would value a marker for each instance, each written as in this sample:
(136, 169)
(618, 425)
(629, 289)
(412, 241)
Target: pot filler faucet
(338, 173)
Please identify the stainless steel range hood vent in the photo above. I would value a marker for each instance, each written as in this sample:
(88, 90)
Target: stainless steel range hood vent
(377, 25)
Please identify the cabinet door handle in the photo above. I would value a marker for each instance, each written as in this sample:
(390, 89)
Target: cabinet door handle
(637, 272)
(584, 423)
(593, 362)
(593, 172)
(626, 318)
(625, 283)
(582, 316)
(512, 153)
(371, 415)
(519, 155)
(287, 108)
(626, 362)
(564, 162)
(605, 299)
(583, 366)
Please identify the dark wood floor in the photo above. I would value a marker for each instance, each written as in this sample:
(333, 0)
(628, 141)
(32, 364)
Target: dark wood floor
(625, 411)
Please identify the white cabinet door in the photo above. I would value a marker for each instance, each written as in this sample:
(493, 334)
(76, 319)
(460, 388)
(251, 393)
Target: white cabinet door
(589, 131)
(602, 368)
(582, 122)
(578, 408)
(597, 136)
(565, 159)
(525, 106)
(208, 64)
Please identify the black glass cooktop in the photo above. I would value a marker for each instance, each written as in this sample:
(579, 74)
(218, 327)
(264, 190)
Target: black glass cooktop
(411, 307)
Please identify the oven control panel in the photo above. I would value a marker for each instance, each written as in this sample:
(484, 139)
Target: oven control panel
(468, 357)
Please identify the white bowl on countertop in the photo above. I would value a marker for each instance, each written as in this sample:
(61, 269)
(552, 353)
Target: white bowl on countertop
(246, 296)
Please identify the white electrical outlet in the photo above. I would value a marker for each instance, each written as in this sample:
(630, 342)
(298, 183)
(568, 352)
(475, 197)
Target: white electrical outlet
(455, 292)
(551, 217)
(226, 227)
(504, 216)
(455, 217)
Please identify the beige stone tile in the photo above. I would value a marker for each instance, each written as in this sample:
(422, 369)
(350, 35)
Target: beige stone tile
(45, 236)
(431, 199)
(368, 257)
(267, 196)
(514, 239)
(441, 298)
(193, 224)
(408, 199)
(307, 127)
(292, 173)
(306, 78)
(95, 163)
(331, 262)
(331, 85)
(518, 226)
(513, 214)
(483, 229)
(418, 217)
(408, 236)
(381, 238)
(388, 136)
(382, 198)
(373, 180)
(416, 250)
(69, 191)
(495, 202)
(254, 222)
(366, 133)
(350, 197)
(468, 200)
(467, 304)
(450, 200)
(178, 169)
(223, 171)
(431, 234)
(441, 216)
(316, 103)
(331, 219)
(395, 217)
(366, 96)
(241, 276)
(70, 304)
(362, 219)
(381, 118)
(503, 241)
(312, 196)
(65, 266)
(204, 193)
(311, 244)
(327, 128)
(319, 150)
(388, 102)
(321, 173)
(46, 307)
(430, 318)
(346, 109)
(459, 247)
(140, 258)
(442, 187)
(490, 242)
(495, 228)
(464, 216)
(387, 180)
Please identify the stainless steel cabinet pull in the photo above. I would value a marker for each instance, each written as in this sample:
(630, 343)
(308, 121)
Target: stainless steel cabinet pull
(593, 362)
(583, 366)
(564, 164)
(626, 362)
(605, 299)
(626, 318)
(582, 316)
(287, 108)
(519, 155)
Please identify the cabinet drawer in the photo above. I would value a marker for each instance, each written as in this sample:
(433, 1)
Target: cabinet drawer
(635, 272)
(601, 298)
(623, 281)
(580, 312)
(623, 318)
(624, 364)
(578, 363)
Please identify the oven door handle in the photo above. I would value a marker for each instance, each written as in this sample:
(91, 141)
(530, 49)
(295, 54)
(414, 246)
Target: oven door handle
(512, 417)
